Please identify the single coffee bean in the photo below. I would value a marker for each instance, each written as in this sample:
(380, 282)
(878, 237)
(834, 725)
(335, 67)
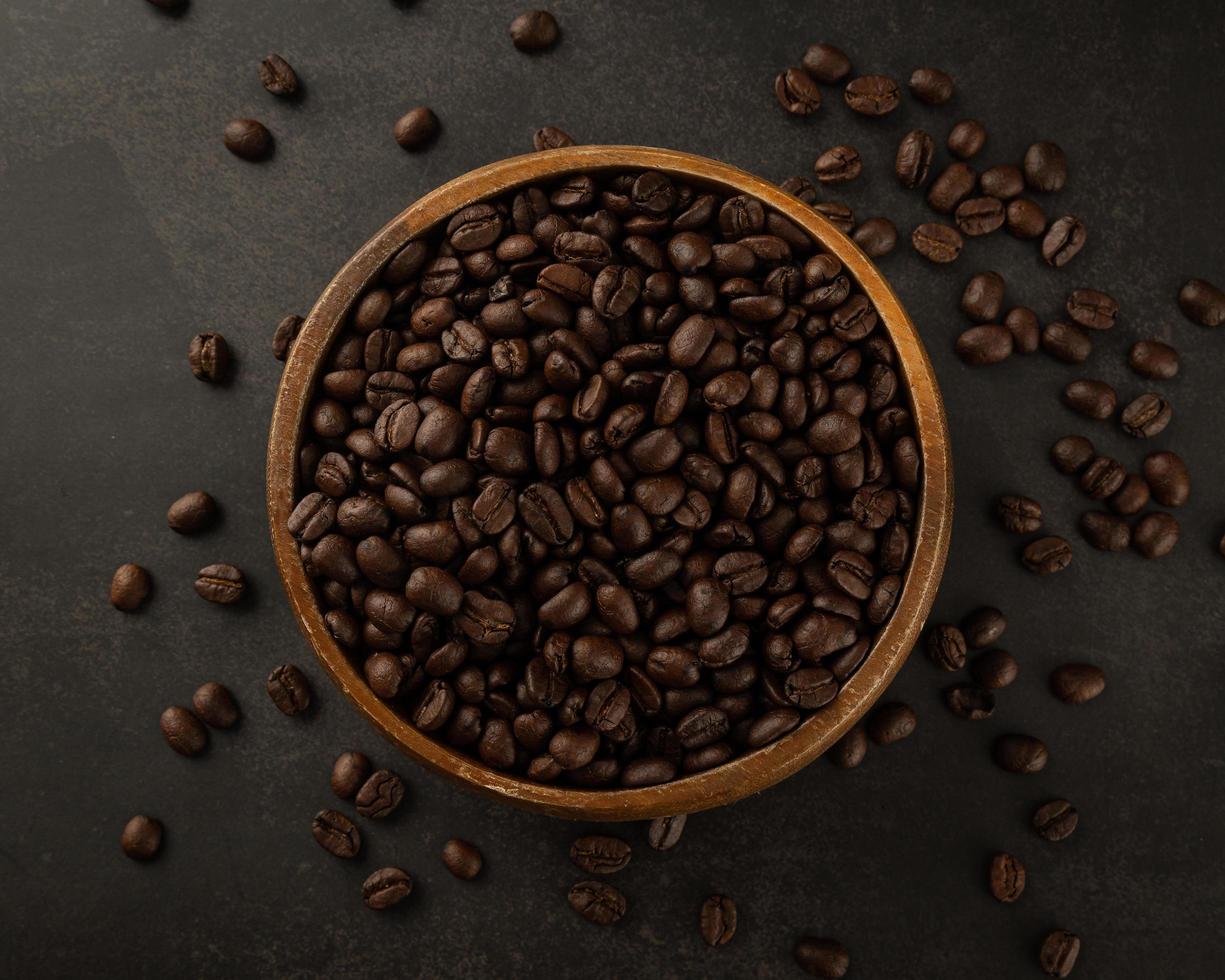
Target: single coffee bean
(946, 647)
(208, 356)
(277, 76)
(850, 750)
(141, 838)
(1092, 308)
(1024, 218)
(1022, 323)
(718, 920)
(1203, 303)
(183, 731)
(913, 161)
(1006, 878)
(1019, 514)
(192, 512)
(983, 627)
(1022, 754)
(969, 702)
(386, 887)
(1046, 167)
(936, 242)
(462, 859)
(838, 165)
(1132, 497)
(1146, 416)
(1102, 478)
(289, 689)
(982, 300)
(130, 587)
(349, 772)
(1090, 398)
(215, 705)
(987, 343)
(1155, 535)
(1063, 241)
(826, 63)
(597, 902)
(1153, 359)
(380, 794)
(1056, 820)
(952, 186)
(824, 958)
(1058, 954)
(600, 854)
(221, 583)
(966, 138)
(286, 333)
(979, 215)
(664, 833)
(994, 669)
(872, 95)
(1105, 532)
(1071, 454)
(876, 236)
(891, 723)
(1047, 555)
(1004, 181)
(248, 139)
(1166, 475)
(336, 834)
(551, 138)
(416, 129)
(1066, 342)
(797, 92)
(534, 31)
(931, 86)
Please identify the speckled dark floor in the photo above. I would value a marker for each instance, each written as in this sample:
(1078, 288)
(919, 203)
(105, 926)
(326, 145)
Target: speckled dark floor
(125, 228)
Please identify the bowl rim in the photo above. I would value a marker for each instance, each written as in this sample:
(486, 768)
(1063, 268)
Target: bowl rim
(746, 774)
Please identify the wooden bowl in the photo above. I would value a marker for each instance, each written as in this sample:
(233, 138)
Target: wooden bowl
(746, 774)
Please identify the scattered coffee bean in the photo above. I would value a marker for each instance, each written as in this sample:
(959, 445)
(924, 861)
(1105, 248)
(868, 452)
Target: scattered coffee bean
(946, 647)
(183, 731)
(1004, 181)
(931, 86)
(982, 300)
(838, 164)
(969, 702)
(208, 356)
(1046, 167)
(534, 31)
(979, 216)
(1146, 415)
(141, 838)
(1153, 359)
(891, 723)
(349, 772)
(966, 138)
(130, 587)
(1024, 218)
(1092, 399)
(914, 158)
(1105, 532)
(1092, 308)
(1018, 514)
(462, 859)
(952, 186)
(797, 92)
(1066, 342)
(994, 669)
(837, 214)
(1047, 555)
(1077, 683)
(936, 242)
(277, 76)
(386, 887)
(221, 583)
(551, 138)
(215, 705)
(826, 63)
(986, 343)
(1071, 454)
(718, 920)
(1132, 497)
(1202, 302)
(248, 139)
(336, 834)
(1056, 820)
(1057, 957)
(876, 236)
(380, 795)
(416, 129)
(1022, 754)
(1167, 477)
(1102, 478)
(983, 627)
(1022, 323)
(192, 512)
(1063, 241)
(289, 689)
(664, 833)
(850, 750)
(599, 854)
(1155, 535)
(824, 958)
(597, 902)
(872, 95)
(1006, 878)
(285, 334)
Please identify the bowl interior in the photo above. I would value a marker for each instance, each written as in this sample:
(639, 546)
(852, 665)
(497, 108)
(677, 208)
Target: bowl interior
(745, 774)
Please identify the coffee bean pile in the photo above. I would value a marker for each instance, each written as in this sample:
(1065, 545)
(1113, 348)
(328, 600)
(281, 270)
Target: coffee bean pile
(568, 457)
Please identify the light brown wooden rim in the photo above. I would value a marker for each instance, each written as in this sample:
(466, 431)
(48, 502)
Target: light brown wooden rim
(744, 775)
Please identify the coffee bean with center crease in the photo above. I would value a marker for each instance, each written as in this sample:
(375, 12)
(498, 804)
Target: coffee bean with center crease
(1021, 754)
(872, 95)
(797, 92)
(1019, 514)
(946, 647)
(664, 833)
(600, 854)
(838, 165)
(380, 794)
(826, 63)
(1153, 359)
(1090, 398)
(718, 920)
(141, 838)
(289, 689)
(130, 587)
(336, 834)
(208, 356)
(1167, 476)
(386, 887)
(1155, 535)
(1047, 555)
(979, 215)
(1006, 878)
(597, 902)
(1092, 308)
(1063, 241)
(1146, 416)
(969, 702)
(913, 160)
(551, 138)
(183, 731)
(1056, 820)
(223, 584)
(1202, 302)
(937, 243)
(931, 86)
(1059, 952)
(277, 76)
(827, 959)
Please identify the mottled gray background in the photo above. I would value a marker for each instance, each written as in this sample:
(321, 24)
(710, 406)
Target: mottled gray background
(125, 228)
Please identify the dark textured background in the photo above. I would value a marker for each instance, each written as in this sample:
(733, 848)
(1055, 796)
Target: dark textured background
(125, 228)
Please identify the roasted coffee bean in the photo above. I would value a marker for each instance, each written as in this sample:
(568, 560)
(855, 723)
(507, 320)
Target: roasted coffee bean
(208, 356)
(416, 129)
(248, 139)
(1102, 477)
(1024, 218)
(872, 95)
(597, 902)
(931, 86)
(969, 702)
(983, 627)
(876, 236)
(1201, 302)
(1092, 399)
(336, 834)
(1146, 416)
(1153, 359)
(222, 584)
(1105, 532)
(824, 958)
(1006, 878)
(1022, 323)
(1063, 241)
(664, 833)
(946, 647)
(1092, 308)
(1046, 167)
(386, 887)
(277, 76)
(349, 772)
(987, 343)
(994, 669)
(141, 838)
(952, 186)
(534, 31)
(1004, 181)
(551, 138)
(1155, 535)
(1072, 454)
(797, 92)
(826, 63)
(1018, 514)
(192, 512)
(966, 138)
(1166, 475)
(1046, 556)
(601, 855)
(838, 164)
(462, 859)
(1056, 820)
(1132, 497)
(891, 723)
(936, 242)
(380, 794)
(850, 750)
(183, 731)
(1066, 342)
(1058, 954)
(130, 587)
(717, 920)
(215, 706)
(913, 161)
(979, 215)
(289, 689)
(1019, 753)
(982, 300)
